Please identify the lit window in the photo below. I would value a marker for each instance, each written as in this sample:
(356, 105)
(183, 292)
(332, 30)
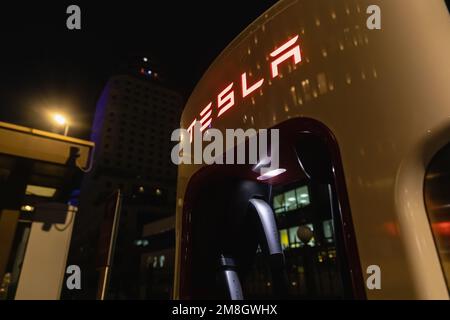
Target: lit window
(278, 203)
(302, 196)
(27, 208)
(300, 236)
(328, 232)
(291, 200)
(284, 239)
(40, 191)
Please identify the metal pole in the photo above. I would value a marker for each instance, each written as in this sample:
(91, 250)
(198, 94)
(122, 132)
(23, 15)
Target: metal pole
(66, 129)
(105, 271)
(103, 282)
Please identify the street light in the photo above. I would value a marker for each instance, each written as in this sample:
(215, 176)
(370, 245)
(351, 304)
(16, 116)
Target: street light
(61, 120)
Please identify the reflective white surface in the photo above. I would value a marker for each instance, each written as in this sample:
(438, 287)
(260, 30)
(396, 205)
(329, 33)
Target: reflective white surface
(385, 96)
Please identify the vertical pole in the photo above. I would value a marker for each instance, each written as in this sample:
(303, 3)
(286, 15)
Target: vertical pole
(105, 270)
(103, 282)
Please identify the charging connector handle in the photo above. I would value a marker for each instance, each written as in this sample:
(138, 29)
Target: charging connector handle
(269, 225)
(272, 239)
(231, 278)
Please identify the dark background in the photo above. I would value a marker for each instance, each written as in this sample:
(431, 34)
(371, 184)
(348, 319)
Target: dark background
(45, 66)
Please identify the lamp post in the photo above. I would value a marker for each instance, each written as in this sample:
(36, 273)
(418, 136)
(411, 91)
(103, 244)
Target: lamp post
(61, 120)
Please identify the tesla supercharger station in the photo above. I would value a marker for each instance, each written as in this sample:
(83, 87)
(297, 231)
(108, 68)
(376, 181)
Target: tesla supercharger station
(229, 217)
(375, 99)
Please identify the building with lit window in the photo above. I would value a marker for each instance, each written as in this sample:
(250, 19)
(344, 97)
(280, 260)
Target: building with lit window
(134, 119)
(307, 237)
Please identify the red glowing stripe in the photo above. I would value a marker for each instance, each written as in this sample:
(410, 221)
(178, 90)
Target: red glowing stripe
(189, 129)
(294, 52)
(225, 100)
(206, 109)
(284, 47)
(246, 91)
(204, 126)
(206, 114)
(442, 228)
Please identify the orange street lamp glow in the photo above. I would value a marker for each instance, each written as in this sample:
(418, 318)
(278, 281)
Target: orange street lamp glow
(61, 120)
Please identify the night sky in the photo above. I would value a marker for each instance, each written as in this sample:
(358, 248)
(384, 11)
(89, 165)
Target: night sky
(44, 65)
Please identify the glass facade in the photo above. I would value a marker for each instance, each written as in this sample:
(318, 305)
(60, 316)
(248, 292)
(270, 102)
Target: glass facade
(291, 200)
(290, 237)
(156, 274)
(307, 236)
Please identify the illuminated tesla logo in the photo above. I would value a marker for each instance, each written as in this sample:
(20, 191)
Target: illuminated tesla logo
(289, 50)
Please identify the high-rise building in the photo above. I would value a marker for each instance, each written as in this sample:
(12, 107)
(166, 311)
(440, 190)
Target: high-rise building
(134, 119)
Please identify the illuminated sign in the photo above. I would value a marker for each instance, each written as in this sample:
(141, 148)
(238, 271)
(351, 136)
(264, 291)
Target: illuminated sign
(226, 99)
